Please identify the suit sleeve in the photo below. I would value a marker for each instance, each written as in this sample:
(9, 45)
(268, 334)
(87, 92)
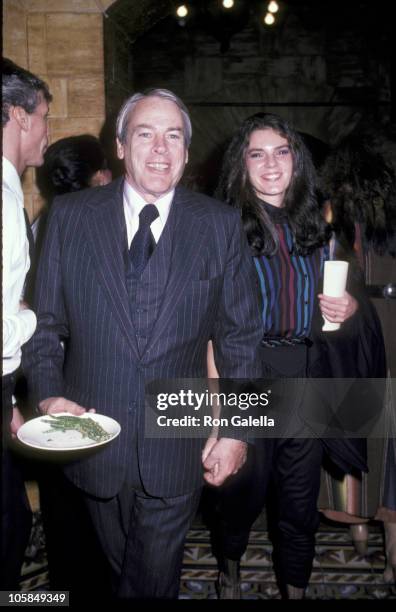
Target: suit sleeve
(43, 355)
(238, 328)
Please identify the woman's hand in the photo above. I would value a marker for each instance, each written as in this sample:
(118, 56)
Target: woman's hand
(338, 309)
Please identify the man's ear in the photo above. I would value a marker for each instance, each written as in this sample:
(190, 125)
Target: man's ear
(21, 117)
(120, 149)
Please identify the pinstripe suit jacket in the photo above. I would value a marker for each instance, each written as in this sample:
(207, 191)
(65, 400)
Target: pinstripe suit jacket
(81, 297)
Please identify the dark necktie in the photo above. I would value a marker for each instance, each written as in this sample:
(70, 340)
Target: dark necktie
(143, 242)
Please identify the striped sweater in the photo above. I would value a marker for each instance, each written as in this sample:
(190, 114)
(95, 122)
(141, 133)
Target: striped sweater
(289, 283)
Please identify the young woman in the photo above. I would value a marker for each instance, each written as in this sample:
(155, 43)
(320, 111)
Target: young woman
(268, 174)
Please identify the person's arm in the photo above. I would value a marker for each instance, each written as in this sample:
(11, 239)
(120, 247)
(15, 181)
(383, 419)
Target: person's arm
(213, 384)
(235, 342)
(18, 324)
(17, 328)
(238, 329)
(211, 366)
(43, 355)
(220, 456)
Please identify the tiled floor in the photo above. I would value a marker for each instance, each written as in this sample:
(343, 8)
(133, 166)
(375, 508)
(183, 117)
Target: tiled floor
(338, 573)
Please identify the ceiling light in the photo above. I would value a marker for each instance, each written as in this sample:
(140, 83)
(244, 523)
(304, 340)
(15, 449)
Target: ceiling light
(273, 7)
(182, 11)
(269, 19)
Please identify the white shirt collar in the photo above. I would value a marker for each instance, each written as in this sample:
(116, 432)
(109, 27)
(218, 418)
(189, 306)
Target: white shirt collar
(136, 202)
(12, 179)
(133, 205)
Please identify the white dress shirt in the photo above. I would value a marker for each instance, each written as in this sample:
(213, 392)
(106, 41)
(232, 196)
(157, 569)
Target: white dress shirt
(18, 324)
(133, 205)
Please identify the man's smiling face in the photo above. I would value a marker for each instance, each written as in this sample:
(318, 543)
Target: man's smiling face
(154, 153)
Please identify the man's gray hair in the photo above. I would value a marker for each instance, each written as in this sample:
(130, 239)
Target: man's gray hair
(129, 105)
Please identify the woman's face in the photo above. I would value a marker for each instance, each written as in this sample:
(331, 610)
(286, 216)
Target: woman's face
(269, 163)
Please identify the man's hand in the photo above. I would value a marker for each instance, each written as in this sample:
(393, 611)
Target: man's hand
(16, 422)
(226, 457)
(52, 405)
(338, 309)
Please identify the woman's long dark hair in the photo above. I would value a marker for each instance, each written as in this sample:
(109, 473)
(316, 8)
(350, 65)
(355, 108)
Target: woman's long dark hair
(361, 188)
(301, 203)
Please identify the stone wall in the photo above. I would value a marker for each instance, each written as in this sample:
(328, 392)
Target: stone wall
(317, 56)
(322, 70)
(62, 42)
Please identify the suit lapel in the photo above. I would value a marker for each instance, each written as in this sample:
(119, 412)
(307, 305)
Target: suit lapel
(106, 233)
(187, 232)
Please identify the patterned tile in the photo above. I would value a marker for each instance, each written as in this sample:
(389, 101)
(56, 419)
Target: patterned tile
(338, 572)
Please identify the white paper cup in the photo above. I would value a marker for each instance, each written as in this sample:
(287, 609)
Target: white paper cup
(334, 284)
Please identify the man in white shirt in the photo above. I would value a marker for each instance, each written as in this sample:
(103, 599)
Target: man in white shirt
(25, 100)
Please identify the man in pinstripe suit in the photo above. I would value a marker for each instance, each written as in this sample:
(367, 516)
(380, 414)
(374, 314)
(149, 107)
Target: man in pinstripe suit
(123, 326)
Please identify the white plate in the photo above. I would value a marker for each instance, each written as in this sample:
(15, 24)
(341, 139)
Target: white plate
(36, 433)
